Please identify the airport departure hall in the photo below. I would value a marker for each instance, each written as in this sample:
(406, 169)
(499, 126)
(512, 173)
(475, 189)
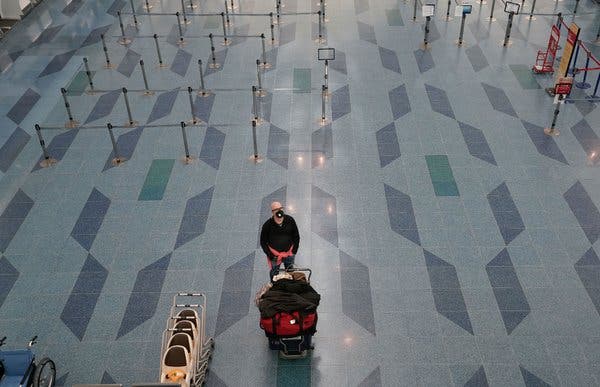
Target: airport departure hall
(436, 165)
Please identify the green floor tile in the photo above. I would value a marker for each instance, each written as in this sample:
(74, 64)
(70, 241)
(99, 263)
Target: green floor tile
(394, 18)
(441, 175)
(212, 22)
(79, 83)
(156, 180)
(296, 373)
(525, 76)
(301, 80)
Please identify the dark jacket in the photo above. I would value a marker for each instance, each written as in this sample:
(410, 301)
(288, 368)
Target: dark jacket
(279, 236)
(288, 296)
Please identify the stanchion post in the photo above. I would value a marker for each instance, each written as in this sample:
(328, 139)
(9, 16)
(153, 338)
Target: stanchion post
(147, 90)
(261, 92)
(491, 18)
(148, 6)
(255, 157)
(277, 11)
(202, 91)
(508, 28)
(227, 15)
(323, 120)
(272, 28)
(425, 39)
(532, 8)
(415, 11)
(462, 28)
(185, 19)
(323, 11)
(130, 123)
(181, 42)
(255, 107)
(598, 34)
(264, 64)
(124, 40)
(595, 93)
(576, 5)
(107, 65)
(233, 7)
(71, 123)
(448, 11)
(195, 120)
(160, 60)
(47, 161)
(89, 75)
(135, 21)
(187, 159)
(573, 70)
(552, 131)
(326, 77)
(117, 160)
(225, 40)
(213, 64)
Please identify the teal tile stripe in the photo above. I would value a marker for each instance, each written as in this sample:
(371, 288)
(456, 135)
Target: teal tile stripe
(294, 373)
(441, 175)
(156, 180)
(393, 17)
(301, 80)
(525, 76)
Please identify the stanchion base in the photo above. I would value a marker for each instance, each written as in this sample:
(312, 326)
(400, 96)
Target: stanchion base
(90, 92)
(459, 43)
(226, 42)
(490, 19)
(71, 124)
(229, 24)
(204, 93)
(259, 121)
(256, 159)
(131, 124)
(321, 40)
(148, 92)
(214, 65)
(118, 161)
(448, 18)
(149, 7)
(582, 85)
(193, 6)
(194, 122)
(551, 132)
(188, 160)
(109, 66)
(162, 66)
(482, 2)
(531, 18)
(273, 42)
(425, 47)
(48, 162)
(266, 65)
(124, 41)
(508, 44)
(323, 121)
(261, 93)
(181, 43)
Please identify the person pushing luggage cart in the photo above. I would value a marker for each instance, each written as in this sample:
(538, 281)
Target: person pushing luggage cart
(279, 239)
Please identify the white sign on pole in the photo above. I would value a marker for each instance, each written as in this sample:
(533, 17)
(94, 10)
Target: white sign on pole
(458, 11)
(428, 10)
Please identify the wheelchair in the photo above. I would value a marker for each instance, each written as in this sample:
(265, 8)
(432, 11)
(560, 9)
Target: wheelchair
(18, 368)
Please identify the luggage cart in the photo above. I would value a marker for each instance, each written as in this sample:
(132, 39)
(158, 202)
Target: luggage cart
(185, 349)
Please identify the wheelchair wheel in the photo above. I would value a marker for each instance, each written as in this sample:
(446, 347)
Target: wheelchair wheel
(45, 373)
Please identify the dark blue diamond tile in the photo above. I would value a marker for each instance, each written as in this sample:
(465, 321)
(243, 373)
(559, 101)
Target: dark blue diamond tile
(366, 32)
(477, 143)
(287, 33)
(544, 144)
(339, 64)
(587, 138)
(13, 216)
(94, 35)
(72, 8)
(129, 62)
(499, 100)
(389, 60)
(23, 106)
(212, 147)
(126, 144)
(585, 211)
(387, 144)
(203, 107)
(47, 35)
(476, 57)
(12, 148)
(424, 60)
(181, 62)
(439, 101)
(506, 213)
(90, 219)
(588, 269)
(340, 103)
(399, 101)
(194, 218)
(163, 105)
(352, 290)
(116, 6)
(107, 378)
(401, 214)
(278, 149)
(322, 146)
(104, 106)
(220, 57)
(58, 147)
(532, 380)
(479, 379)
(374, 378)
(57, 63)
(324, 215)
(8, 277)
(144, 297)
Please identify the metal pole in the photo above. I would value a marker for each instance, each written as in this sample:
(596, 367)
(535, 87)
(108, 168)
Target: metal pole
(273, 28)
(583, 84)
(185, 19)
(131, 123)
(595, 94)
(508, 28)
(320, 38)
(576, 5)
(462, 29)
(133, 12)
(264, 52)
(227, 14)
(48, 161)
(559, 20)
(202, 92)
(117, 160)
(213, 64)
(255, 104)
(89, 74)
(187, 159)
(448, 11)
(147, 91)
(108, 65)
(181, 42)
(415, 11)
(532, 8)
(123, 40)
(192, 5)
(232, 6)
(323, 10)
(326, 76)
(261, 92)
(255, 155)
(492, 10)
(225, 41)
(160, 61)
(195, 120)
(425, 39)
(148, 6)
(551, 131)
(575, 58)
(598, 34)
(71, 123)
(323, 92)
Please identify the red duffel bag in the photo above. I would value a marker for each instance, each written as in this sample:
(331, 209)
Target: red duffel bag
(285, 324)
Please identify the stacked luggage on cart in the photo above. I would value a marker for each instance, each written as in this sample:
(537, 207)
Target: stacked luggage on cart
(186, 350)
(288, 313)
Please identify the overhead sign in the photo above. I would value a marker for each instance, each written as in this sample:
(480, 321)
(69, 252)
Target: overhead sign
(428, 10)
(326, 53)
(510, 7)
(462, 9)
(565, 61)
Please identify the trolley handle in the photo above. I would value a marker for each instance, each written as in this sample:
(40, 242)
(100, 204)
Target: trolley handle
(182, 318)
(32, 341)
(180, 329)
(305, 269)
(187, 294)
(2, 340)
(187, 305)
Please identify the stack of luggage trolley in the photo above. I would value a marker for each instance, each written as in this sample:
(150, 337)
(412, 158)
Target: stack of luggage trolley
(186, 350)
(288, 312)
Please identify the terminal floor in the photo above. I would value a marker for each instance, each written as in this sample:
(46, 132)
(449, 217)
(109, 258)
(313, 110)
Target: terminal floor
(453, 243)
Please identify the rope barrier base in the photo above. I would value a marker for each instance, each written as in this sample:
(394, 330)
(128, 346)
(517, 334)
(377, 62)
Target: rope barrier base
(459, 43)
(148, 92)
(508, 44)
(425, 47)
(321, 40)
(261, 93)
(214, 65)
(162, 66)
(256, 159)
(204, 93)
(194, 121)
(187, 160)
(226, 42)
(109, 66)
(259, 121)
(71, 124)
(490, 19)
(265, 65)
(323, 121)
(131, 124)
(118, 161)
(551, 132)
(124, 41)
(48, 162)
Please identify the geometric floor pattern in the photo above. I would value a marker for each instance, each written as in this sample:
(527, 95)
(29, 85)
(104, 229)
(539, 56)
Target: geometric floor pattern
(452, 242)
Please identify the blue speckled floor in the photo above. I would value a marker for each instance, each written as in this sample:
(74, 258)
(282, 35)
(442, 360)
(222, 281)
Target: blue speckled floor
(452, 241)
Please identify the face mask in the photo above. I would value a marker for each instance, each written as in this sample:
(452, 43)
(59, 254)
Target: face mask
(279, 214)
